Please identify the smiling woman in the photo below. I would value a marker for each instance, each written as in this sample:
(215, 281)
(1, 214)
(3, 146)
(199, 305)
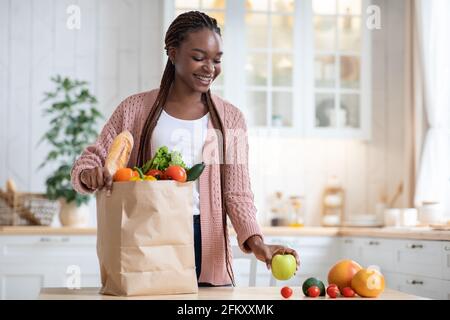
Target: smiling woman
(180, 115)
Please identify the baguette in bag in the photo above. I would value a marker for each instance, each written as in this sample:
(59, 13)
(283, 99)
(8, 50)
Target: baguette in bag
(119, 152)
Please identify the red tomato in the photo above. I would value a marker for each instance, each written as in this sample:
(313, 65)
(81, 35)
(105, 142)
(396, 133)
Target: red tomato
(348, 292)
(155, 173)
(176, 173)
(313, 291)
(332, 291)
(286, 292)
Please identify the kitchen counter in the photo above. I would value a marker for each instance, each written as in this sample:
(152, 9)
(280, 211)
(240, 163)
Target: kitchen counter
(422, 233)
(43, 230)
(214, 293)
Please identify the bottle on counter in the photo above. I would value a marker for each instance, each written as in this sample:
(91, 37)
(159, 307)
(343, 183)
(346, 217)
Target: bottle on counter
(278, 210)
(333, 203)
(296, 208)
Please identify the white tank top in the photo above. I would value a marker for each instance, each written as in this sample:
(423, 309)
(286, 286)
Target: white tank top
(185, 136)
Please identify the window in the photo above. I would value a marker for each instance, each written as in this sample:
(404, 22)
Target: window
(337, 63)
(269, 64)
(298, 66)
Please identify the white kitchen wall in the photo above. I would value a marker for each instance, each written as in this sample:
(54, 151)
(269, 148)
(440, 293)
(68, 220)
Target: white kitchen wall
(119, 51)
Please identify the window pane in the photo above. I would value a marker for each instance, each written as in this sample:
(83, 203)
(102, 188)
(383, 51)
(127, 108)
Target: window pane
(325, 69)
(350, 34)
(257, 30)
(191, 4)
(256, 69)
(256, 108)
(325, 33)
(350, 7)
(350, 70)
(282, 109)
(220, 17)
(213, 4)
(262, 5)
(282, 6)
(282, 32)
(325, 115)
(349, 111)
(324, 6)
(282, 70)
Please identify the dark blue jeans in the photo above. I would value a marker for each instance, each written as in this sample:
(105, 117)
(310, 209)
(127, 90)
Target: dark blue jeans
(197, 245)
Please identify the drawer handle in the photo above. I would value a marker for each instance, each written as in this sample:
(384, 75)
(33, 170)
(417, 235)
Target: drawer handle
(447, 248)
(415, 282)
(348, 241)
(54, 240)
(373, 243)
(415, 246)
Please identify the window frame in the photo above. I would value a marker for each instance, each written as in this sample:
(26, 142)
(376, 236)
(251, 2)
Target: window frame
(303, 80)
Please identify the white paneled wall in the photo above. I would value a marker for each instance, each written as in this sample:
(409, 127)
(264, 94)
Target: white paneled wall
(118, 50)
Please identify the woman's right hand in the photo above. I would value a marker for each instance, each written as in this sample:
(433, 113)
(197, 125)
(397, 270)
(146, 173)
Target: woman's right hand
(97, 178)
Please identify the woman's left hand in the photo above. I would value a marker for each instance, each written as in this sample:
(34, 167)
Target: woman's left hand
(265, 252)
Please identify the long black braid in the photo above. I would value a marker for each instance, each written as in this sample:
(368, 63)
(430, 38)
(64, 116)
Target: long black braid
(178, 30)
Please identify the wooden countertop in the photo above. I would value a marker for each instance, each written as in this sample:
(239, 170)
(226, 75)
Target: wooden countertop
(42, 230)
(422, 233)
(214, 293)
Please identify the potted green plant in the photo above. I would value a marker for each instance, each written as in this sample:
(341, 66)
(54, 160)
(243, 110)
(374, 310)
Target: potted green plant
(72, 127)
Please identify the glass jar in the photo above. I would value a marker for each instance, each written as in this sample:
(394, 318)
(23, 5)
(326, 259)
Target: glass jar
(296, 211)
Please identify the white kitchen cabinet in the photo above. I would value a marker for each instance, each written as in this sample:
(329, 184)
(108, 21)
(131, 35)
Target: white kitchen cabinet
(418, 267)
(349, 248)
(377, 252)
(418, 285)
(28, 263)
(420, 258)
(446, 260)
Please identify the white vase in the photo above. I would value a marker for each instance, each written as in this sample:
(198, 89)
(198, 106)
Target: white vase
(72, 216)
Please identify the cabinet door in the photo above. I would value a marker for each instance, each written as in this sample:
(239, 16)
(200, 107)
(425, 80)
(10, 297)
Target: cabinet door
(446, 259)
(28, 263)
(418, 285)
(422, 258)
(378, 252)
(21, 281)
(349, 248)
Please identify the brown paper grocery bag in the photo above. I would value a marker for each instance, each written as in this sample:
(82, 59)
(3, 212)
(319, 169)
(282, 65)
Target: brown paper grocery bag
(145, 241)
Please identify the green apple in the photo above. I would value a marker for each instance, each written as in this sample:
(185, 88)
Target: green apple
(283, 266)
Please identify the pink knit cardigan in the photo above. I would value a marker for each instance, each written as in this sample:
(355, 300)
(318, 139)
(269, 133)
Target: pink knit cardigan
(130, 115)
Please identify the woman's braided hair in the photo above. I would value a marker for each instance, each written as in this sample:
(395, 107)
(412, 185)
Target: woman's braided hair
(184, 24)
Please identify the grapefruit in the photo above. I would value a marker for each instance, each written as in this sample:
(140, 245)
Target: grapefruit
(368, 283)
(342, 273)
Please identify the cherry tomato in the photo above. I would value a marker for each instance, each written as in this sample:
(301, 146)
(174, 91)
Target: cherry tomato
(286, 292)
(313, 291)
(332, 291)
(348, 292)
(176, 173)
(154, 173)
